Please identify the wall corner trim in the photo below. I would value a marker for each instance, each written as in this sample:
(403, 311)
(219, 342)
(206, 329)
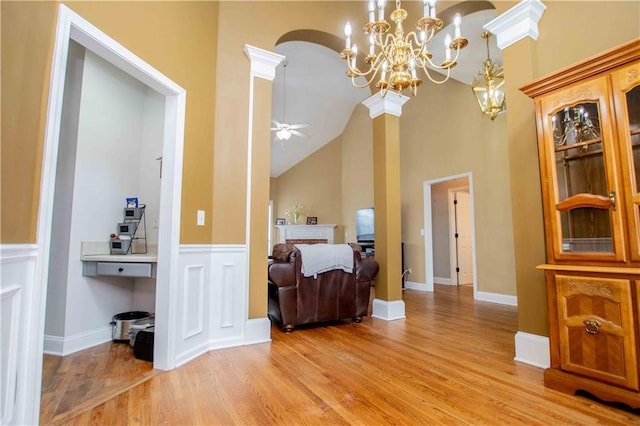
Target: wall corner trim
(517, 23)
(263, 62)
(388, 310)
(391, 103)
(532, 349)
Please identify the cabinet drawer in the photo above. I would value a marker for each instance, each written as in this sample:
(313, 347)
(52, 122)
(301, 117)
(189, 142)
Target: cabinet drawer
(124, 269)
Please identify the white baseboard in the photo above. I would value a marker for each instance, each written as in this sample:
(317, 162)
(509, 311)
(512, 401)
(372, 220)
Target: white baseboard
(191, 354)
(440, 280)
(415, 286)
(228, 342)
(388, 310)
(532, 349)
(502, 299)
(257, 330)
(62, 346)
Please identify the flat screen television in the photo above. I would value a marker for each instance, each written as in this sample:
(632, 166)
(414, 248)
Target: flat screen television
(365, 225)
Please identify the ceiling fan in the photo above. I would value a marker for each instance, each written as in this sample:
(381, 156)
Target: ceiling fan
(283, 130)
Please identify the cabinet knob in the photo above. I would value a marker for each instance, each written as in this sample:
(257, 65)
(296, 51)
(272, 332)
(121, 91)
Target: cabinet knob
(592, 326)
(612, 197)
(120, 269)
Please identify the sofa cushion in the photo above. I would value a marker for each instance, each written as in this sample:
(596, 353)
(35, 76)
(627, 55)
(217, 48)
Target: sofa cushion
(281, 252)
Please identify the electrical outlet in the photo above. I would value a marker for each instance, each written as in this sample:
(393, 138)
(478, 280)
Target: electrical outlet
(200, 219)
(410, 271)
(156, 223)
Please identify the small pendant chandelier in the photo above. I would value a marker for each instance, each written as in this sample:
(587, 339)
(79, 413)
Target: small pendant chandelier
(488, 86)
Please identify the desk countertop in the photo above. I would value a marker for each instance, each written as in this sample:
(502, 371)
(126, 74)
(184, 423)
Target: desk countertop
(99, 252)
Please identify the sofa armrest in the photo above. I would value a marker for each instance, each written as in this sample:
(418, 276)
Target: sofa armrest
(282, 274)
(366, 269)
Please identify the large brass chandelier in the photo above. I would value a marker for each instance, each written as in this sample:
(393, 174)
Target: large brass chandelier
(395, 58)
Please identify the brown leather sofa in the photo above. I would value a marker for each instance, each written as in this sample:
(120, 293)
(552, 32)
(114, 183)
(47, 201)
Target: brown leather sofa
(334, 295)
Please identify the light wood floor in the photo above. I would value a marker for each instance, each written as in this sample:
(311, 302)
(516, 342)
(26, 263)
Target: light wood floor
(83, 380)
(450, 362)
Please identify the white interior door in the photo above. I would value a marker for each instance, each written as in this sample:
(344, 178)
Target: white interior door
(465, 263)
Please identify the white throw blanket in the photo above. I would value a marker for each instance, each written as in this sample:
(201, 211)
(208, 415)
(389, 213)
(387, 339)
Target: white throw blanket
(318, 258)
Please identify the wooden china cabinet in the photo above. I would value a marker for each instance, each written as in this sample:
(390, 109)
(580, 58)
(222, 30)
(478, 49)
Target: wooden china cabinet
(588, 125)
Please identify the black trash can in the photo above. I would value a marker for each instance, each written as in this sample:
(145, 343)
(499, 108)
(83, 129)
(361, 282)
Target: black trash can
(143, 346)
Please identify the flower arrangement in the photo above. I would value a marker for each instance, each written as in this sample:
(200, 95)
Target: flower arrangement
(295, 213)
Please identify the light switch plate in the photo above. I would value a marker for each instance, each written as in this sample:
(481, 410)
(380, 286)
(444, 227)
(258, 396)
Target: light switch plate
(200, 220)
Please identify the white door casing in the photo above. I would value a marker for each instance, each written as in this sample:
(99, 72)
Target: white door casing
(71, 26)
(428, 231)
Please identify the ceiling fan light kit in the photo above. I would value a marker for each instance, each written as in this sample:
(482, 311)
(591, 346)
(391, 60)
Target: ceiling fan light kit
(283, 130)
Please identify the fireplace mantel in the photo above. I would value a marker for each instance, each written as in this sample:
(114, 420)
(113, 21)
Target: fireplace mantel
(306, 232)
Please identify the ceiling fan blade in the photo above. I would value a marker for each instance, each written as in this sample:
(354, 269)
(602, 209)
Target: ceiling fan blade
(275, 128)
(277, 123)
(299, 126)
(299, 134)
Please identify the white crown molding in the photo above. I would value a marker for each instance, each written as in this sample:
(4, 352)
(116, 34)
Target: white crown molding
(263, 62)
(391, 103)
(517, 23)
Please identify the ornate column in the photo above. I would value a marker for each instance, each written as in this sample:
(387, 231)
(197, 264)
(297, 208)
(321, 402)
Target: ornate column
(263, 70)
(385, 112)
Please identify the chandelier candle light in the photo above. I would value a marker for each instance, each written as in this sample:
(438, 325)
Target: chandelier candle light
(395, 57)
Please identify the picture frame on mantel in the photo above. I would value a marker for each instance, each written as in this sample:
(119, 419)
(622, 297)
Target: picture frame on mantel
(312, 220)
(280, 221)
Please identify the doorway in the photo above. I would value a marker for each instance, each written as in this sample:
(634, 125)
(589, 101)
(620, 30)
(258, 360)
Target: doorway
(449, 260)
(71, 26)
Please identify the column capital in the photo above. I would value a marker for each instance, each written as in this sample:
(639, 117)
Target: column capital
(263, 62)
(517, 23)
(391, 103)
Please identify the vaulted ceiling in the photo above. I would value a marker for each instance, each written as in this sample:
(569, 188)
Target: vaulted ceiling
(319, 93)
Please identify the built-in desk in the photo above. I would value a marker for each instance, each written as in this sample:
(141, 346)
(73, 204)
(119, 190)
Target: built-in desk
(96, 261)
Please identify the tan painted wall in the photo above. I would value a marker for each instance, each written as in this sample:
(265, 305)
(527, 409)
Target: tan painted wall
(26, 27)
(176, 38)
(244, 23)
(443, 134)
(357, 169)
(315, 182)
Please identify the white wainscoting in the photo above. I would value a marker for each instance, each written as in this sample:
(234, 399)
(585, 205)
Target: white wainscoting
(212, 299)
(229, 296)
(194, 289)
(17, 263)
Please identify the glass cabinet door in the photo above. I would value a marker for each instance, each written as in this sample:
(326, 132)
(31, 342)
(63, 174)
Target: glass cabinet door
(582, 186)
(626, 91)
